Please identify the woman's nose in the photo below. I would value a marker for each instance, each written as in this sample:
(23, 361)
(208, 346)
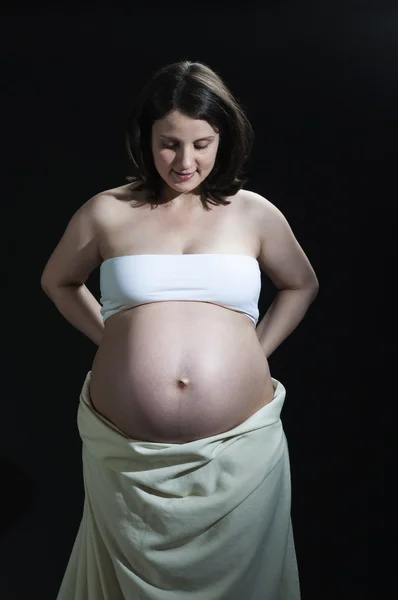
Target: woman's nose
(185, 158)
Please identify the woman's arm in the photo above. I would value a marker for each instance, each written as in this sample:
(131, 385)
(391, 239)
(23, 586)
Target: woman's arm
(69, 266)
(77, 304)
(283, 260)
(283, 316)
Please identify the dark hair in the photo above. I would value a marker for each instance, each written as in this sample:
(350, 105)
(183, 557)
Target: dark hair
(196, 91)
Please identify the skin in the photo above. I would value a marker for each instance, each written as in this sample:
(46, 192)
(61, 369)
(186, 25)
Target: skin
(177, 371)
(178, 145)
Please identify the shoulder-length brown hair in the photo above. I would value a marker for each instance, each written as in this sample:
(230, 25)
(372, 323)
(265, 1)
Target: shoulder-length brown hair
(195, 90)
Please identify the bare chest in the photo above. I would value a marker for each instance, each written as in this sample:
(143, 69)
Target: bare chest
(140, 230)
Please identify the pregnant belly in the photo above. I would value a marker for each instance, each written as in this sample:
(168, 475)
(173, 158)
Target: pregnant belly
(173, 374)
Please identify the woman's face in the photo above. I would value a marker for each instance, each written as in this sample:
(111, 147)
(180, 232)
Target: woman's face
(183, 146)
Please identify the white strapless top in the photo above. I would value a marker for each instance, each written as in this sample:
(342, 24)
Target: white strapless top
(229, 280)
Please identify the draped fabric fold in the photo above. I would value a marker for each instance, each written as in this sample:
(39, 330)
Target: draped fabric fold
(203, 520)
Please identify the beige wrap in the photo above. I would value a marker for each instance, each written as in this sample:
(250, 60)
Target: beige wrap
(204, 520)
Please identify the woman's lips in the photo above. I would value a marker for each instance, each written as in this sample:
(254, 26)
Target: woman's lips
(183, 176)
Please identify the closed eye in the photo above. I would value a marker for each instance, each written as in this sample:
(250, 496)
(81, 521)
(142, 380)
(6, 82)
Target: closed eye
(173, 146)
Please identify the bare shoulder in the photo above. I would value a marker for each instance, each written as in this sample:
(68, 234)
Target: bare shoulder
(106, 208)
(78, 251)
(103, 205)
(258, 203)
(261, 210)
(281, 257)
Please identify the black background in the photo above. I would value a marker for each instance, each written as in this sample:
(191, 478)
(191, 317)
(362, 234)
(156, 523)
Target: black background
(319, 84)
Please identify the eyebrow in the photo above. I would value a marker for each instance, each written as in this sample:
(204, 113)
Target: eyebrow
(169, 137)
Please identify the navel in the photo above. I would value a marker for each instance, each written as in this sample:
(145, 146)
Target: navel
(182, 382)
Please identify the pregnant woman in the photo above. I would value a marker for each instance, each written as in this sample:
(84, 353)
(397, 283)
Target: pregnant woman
(185, 461)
